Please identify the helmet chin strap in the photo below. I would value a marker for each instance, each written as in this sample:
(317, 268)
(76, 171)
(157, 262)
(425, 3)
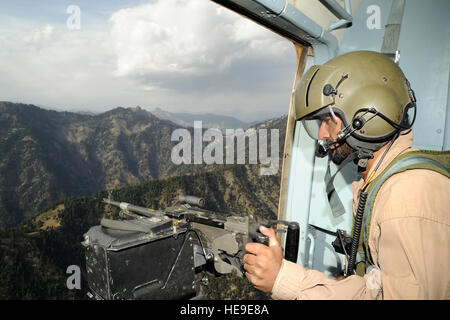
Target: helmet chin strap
(335, 202)
(361, 157)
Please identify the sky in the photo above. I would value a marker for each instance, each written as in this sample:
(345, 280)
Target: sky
(179, 55)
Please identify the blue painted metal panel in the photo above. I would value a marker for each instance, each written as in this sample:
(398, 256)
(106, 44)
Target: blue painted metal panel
(447, 121)
(296, 17)
(425, 58)
(367, 30)
(276, 6)
(424, 46)
(299, 187)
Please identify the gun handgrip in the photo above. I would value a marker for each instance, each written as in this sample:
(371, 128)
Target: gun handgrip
(292, 238)
(256, 236)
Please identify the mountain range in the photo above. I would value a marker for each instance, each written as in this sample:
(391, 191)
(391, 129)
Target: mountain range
(209, 120)
(47, 156)
(55, 167)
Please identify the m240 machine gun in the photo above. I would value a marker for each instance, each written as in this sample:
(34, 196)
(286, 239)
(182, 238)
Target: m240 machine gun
(168, 254)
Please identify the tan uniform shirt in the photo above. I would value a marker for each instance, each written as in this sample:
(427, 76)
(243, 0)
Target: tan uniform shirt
(409, 241)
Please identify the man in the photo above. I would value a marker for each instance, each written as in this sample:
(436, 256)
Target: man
(356, 105)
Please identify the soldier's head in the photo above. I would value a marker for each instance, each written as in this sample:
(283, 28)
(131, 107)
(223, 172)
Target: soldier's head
(356, 101)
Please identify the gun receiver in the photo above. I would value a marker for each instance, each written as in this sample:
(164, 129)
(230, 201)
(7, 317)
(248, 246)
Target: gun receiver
(184, 239)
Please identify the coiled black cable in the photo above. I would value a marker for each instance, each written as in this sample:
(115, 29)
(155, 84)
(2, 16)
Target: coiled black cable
(356, 232)
(360, 213)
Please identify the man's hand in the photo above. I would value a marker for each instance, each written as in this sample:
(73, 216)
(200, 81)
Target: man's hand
(263, 263)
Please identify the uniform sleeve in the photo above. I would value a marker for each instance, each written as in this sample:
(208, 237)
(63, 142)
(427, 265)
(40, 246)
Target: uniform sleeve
(296, 282)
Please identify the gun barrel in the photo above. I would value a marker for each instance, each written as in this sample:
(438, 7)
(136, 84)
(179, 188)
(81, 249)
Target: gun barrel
(130, 207)
(112, 202)
(196, 201)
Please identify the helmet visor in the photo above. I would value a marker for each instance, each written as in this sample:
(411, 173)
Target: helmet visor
(323, 117)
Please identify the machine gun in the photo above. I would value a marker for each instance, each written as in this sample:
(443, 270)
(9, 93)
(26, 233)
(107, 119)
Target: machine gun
(168, 254)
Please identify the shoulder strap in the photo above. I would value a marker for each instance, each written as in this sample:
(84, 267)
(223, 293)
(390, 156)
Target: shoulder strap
(438, 161)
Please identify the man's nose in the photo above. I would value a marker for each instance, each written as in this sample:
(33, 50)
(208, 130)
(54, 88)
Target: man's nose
(324, 134)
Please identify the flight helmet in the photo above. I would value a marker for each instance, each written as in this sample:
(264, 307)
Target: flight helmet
(366, 89)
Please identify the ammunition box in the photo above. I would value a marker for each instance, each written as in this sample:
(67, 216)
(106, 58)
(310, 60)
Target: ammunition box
(136, 265)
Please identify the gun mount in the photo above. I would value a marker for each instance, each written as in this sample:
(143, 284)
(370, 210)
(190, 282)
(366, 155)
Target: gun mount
(166, 254)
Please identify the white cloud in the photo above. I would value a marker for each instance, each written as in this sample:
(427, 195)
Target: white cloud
(187, 38)
(191, 56)
(53, 66)
(39, 35)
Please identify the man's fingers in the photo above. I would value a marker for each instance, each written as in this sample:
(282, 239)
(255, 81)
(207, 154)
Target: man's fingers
(262, 263)
(270, 233)
(255, 248)
(250, 277)
(249, 259)
(256, 281)
(250, 269)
